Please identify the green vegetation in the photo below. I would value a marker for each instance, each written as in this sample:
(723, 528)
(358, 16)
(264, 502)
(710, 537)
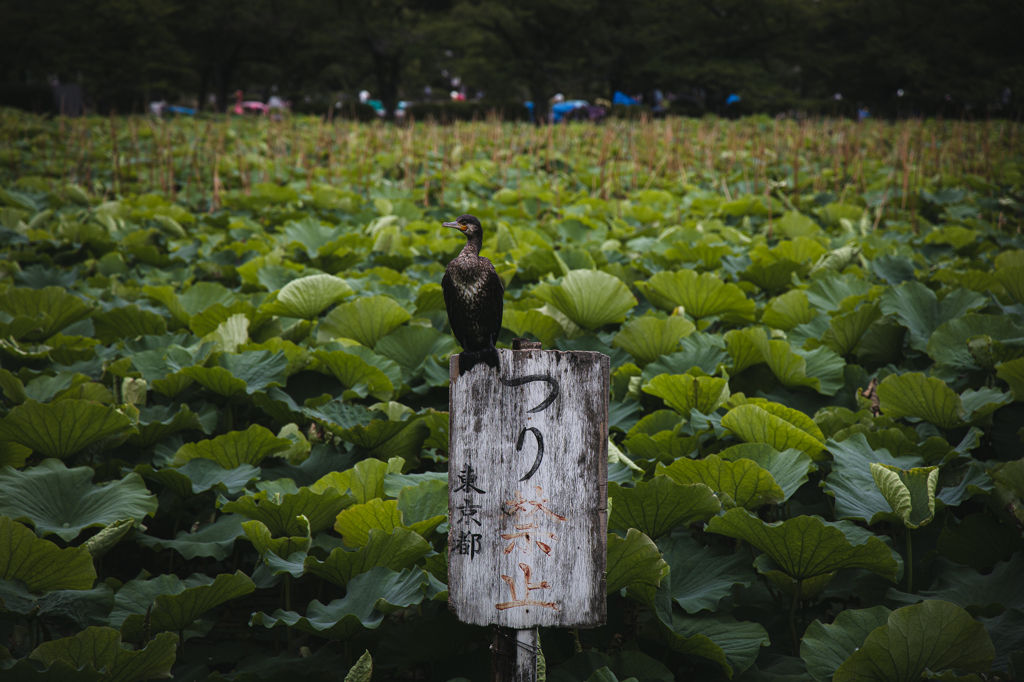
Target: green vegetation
(224, 370)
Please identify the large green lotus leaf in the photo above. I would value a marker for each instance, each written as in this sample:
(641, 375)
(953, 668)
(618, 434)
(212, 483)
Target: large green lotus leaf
(719, 637)
(336, 416)
(647, 338)
(1010, 475)
(916, 395)
(979, 541)
(410, 346)
(307, 297)
(788, 310)
(136, 596)
(231, 323)
(365, 480)
(406, 444)
(63, 428)
(984, 595)
(659, 505)
(684, 392)
(522, 322)
(702, 576)
(355, 523)
(204, 295)
(590, 298)
(13, 454)
(63, 501)
(591, 665)
(199, 475)
(397, 550)
(215, 540)
(240, 373)
(918, 309)
(910, 492)
(846, 330)
(423, 503)
(261, 539)
(740, 484)
(700, 295)
(772, 276)
(44, 389)
(177, 611)
(165, 295)
(280, 512)
(956, 349)
(234, 449)
(776, 425)
(366, 320)
(805, 546)
(825, 647)
(158, 422)
(633, 560)
(127, 322)
(917, 640)
(40, 564)
(1012, 372)
(355, 373)
(369, 597)
(49, 309)
(101, 648)
(829, 290)
(75, 609)
(391, 369)
(852, 484)
(394, 482)
(820, 369)
(743, 349)
(1007, 633)
(1012, 279)
(789, 469)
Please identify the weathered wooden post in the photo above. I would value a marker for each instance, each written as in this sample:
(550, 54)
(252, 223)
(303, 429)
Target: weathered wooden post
(527, 498)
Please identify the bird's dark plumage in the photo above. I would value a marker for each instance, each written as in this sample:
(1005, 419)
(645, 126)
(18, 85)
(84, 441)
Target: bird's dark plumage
(473, 296)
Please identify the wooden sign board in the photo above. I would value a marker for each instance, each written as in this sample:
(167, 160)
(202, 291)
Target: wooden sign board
(528, 490)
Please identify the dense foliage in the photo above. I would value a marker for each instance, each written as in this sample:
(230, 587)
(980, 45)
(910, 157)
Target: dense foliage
(223, 363)
(946, 55)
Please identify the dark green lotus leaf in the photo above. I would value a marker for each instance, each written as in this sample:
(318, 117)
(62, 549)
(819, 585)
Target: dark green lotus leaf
(395, 482)
(825, 647)
(242, 373)
(203, 295)
(917, 395)
(40, 564)
(979, 541)
(127, 322)
(410, 346)
(624, 665)
(806, 546)
(776, 425)
(397, 550)
(1007, 633)
(364, 481)
(741, 483)
(984, 595)
(918, 309)
(199, 475)
(27, 670)
(656, 507)
(280, 512)
(701, 576)
(366, 320)
(338, 417)
(307, 297)
(852, 484)
(234, 449)
(355, 523)
(369, 598)
(700, 295)
(47, 311)
(789, 310)
(101, 648)
(44, 389)
(522, 322)
(909, 492)
(215, 540)
(932, 636)
(264, 542)
(828, 290)
(158, 422)
(633, 560)
(55, 499)
(789, 468)
(846, 330)
(63, 428)
(69, 609)
(820, 369)
(955, 352)
(424, 502)
(177, 610)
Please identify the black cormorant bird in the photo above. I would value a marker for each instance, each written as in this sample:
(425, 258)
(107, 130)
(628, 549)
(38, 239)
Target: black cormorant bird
(473, 296)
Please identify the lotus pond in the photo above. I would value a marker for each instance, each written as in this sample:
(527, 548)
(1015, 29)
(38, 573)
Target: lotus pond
(224, 373)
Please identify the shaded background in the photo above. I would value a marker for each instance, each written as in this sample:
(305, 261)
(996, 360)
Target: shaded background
(950, 57)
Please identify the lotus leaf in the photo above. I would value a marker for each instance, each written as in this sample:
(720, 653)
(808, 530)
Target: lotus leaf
(41, 313)
(234, 449)
(984, 595)
(63, 428)
(656, 507)
(820, 369)
(40, 564)
(702, 576)
(355, 373)
(355, 523)
(62, 501)
(100, 648)
(590, 298)
(910, 493)
(700, 295)
(648, 338)
(918, 309)
(853, 485)
(280, 513)
(307, 297)
(684, 392)
(215, 540)
(826, 647)
(979, 541)
(241, 373)
(366, 320)
(932, 636)
(789, 469)
(739, 484)
(396, 550)
(260, 537)
(633, 560)
(775, 425)
(177, 609)
(788, 310)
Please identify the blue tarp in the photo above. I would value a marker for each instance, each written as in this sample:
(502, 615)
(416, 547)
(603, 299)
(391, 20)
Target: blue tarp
(562, 108)
(621, 98)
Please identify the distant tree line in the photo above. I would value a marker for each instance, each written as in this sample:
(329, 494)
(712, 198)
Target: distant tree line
(948, 57)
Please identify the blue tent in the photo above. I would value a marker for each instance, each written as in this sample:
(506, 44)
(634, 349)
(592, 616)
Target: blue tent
(621, 98)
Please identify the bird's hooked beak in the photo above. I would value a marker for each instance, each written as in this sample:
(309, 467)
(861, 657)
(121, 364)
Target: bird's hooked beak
(457, 226)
